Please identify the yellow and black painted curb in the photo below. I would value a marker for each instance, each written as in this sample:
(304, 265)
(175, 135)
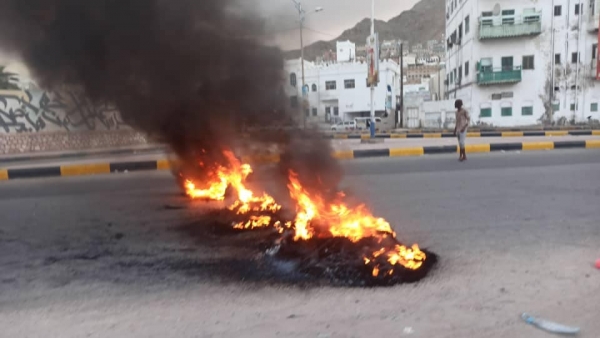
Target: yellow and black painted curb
(471, 134)
(116, 167)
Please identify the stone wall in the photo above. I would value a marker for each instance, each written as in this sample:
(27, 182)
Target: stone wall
(70, 141)
(35, 120)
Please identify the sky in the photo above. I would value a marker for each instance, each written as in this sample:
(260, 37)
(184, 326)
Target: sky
(338, 15)
(282, 24)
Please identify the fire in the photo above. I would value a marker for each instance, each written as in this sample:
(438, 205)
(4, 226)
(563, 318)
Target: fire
(234, 175)
(316, 217)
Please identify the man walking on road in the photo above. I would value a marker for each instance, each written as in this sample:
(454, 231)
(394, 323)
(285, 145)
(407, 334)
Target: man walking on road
(463, 119)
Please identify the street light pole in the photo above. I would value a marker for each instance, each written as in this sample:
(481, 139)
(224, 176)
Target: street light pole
(372, 84)
(302, 15)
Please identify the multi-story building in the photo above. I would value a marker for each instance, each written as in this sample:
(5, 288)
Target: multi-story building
(519, 62)
(416, 73)
(339, 91)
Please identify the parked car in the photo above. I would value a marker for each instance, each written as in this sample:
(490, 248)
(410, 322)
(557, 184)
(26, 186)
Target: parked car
(347, 125)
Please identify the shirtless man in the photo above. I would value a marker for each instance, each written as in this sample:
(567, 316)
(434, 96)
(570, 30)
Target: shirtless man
(463, 119)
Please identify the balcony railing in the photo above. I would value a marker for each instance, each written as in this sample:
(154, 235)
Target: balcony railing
(498, 27)
(498, 76)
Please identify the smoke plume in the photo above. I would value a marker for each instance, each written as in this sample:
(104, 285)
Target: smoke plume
(189, 72)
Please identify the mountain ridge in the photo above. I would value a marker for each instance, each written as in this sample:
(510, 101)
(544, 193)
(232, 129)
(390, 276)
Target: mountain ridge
(425, 21)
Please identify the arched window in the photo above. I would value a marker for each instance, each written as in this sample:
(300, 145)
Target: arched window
(314, 87)
(293, 79)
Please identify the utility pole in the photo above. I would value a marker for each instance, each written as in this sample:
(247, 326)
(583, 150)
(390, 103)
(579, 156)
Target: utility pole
(302, 15)
(374, 62)
(401, 86)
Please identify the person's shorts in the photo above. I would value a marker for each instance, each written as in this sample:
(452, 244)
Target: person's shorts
(461, 138)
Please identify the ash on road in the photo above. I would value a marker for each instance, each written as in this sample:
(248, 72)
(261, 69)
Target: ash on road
(105, 256)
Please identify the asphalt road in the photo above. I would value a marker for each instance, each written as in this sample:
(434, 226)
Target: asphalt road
(106, 256)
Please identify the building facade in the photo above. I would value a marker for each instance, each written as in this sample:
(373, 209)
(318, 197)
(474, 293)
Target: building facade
(339, 92)
(522, 62)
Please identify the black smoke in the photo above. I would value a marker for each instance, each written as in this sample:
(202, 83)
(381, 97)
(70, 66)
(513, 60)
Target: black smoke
(188, 72)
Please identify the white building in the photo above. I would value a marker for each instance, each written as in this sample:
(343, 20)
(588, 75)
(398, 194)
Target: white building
(346, 51)
(501, 56)
(339, 91)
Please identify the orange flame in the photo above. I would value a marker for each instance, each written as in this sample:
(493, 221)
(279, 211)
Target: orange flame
(314, 216)
(340, 220)
(234, 175)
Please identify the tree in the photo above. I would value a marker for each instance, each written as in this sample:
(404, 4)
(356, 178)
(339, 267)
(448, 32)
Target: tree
(7, 80)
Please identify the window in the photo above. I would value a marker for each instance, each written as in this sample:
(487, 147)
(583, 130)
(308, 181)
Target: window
(487, 14)
(557, 59)
(466, 68)
(507, 63)
(486, 65)
(577, 9)
(294, 101)
(594, 107)
(594, 51)
(508, 12)
(557, 10)
(314, 87)
(314, 111)
(467, 25)
(574, 57)
(293, 81)
(455, 73)
(330, 85)
(336, 111)
(573, 107)
(485, 112)
(460, 31)
(556, 106)
(459, 72)
(527, 111)
(506, 111)
(328, 111)
(349, 84)
(307, 112)
(528, 62)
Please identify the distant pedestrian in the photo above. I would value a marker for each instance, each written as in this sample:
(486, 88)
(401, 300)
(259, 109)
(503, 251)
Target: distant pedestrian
(463, 119)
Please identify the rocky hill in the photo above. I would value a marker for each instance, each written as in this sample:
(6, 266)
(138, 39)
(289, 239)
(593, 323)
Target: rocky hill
(425, 21)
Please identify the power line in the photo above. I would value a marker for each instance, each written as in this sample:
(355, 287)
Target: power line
(320, 32)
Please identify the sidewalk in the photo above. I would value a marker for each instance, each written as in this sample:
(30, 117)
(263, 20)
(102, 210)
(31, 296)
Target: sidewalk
(156, 158)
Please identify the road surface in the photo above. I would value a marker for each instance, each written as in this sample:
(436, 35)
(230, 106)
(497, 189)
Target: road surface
(104, 256)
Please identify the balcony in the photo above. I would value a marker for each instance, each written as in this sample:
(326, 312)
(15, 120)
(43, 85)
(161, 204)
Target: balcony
(499, 27)
(499, 76)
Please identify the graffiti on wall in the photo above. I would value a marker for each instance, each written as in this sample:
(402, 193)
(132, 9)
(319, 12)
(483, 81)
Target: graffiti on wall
(31, 111)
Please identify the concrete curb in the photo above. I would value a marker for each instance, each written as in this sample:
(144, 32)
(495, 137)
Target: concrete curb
(471, 134)
(116, 167)
(80, 154)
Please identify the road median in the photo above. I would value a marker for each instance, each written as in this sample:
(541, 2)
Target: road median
(74, 169)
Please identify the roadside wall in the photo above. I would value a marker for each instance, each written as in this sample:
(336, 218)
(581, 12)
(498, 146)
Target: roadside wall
(36, 121)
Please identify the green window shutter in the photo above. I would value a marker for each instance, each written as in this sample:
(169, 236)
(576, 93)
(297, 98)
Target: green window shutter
(594, 107)
(556, 106)
(527, 111)
(507, 111)
(485, 112)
